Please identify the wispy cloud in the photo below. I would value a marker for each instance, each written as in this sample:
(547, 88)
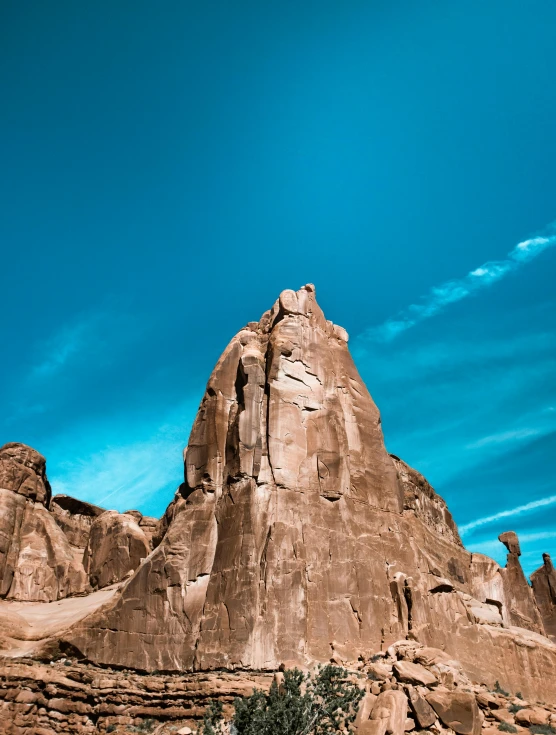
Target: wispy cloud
(66, 343)
(141, 472)
(450, 292)
(503, 437)
(510, 513)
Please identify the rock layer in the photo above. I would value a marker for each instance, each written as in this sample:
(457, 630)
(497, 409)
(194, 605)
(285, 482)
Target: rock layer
(296, 538)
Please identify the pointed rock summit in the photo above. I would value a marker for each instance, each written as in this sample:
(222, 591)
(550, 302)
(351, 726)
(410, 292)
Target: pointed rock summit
(296, 538)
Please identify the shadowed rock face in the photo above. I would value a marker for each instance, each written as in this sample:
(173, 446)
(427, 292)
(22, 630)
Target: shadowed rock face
(36, 560)
(544, 589)
(296, 538)
(75, 518)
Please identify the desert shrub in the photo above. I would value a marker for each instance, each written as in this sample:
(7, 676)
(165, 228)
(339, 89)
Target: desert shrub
(498, 689)
(146, 726)
(542, 730)
(507, 727)
(513, 708)
(212, 719)
(320, 704)
(519, 695)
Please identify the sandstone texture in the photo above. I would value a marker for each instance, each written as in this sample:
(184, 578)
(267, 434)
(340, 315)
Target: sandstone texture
(544, 589)
(297, 538)
(36, 559)
(75, 518)
(115, 547)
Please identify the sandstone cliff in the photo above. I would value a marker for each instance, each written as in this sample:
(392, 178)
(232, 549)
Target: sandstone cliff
(297, 538)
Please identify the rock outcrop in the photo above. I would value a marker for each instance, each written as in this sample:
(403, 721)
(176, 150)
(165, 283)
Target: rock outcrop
(36, 559)
(544, 589)
(75, 518)
(115, 547)
(296, 538)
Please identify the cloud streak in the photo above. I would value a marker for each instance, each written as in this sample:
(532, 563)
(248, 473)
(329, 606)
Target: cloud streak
(510, 513)
(450, 292)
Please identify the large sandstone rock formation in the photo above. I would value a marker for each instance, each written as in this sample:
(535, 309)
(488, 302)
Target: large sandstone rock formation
(296, 538)
(75, 518)
(36, 559)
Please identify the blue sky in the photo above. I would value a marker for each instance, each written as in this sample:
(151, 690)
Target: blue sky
(168, 169)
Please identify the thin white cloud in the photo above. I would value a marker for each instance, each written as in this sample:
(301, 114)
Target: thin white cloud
(504, 436)
(439, 297)
(58, 349)
(510, 513)
(145, 468)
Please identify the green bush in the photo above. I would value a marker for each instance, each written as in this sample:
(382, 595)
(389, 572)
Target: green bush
(542, 730)
(320, 704)
(498, 689)
(507, 727)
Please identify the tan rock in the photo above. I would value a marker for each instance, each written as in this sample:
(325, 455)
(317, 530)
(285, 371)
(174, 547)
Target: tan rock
(503, 715)
(423, 712)
(296, 537)
(532, 716)
(36, 560)
(390, 709)
(115, 547)
(364, 711)
(412, 673)
(544, 590)
(75, 518)
(457, 710)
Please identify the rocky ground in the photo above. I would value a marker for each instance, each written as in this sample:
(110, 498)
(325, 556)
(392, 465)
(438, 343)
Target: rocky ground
(409, 688)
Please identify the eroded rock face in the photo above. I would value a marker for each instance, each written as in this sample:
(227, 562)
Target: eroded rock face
(544, 589)
(296, 538)
(115, 548)
(75, 518)
(36, 560)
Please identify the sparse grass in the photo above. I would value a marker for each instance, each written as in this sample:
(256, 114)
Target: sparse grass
(542, 730)
(498, 689)
(507, 727)
(513, 708)
(519, 695)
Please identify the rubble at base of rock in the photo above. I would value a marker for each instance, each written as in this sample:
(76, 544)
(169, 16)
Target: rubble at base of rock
(66, 696)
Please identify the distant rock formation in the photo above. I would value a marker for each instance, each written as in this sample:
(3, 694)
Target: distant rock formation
(544, 589)
(115, 548)
(296, 538)
(45, 541)
(36, 559)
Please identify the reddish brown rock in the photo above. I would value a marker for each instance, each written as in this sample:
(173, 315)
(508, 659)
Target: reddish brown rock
(296, 538)
(523, 610)
(544, 589)
(75, 518)
(457, 710)
(424, 713)
(420, 497)
(36, 560)
(115, 548)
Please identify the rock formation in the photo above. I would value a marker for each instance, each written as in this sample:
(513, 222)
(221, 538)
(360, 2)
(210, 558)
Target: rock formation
(36, 559)
(544, 589)
(115, 548)
(75, 518)
(294, 539)
(297, 538)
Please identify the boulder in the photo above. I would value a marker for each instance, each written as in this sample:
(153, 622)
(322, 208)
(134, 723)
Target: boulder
(457, 710)
(413, 673)
(115, 548)
(390, 712)
(423, 712)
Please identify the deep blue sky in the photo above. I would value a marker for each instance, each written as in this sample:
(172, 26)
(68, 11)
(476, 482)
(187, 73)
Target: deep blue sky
(168, 168)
